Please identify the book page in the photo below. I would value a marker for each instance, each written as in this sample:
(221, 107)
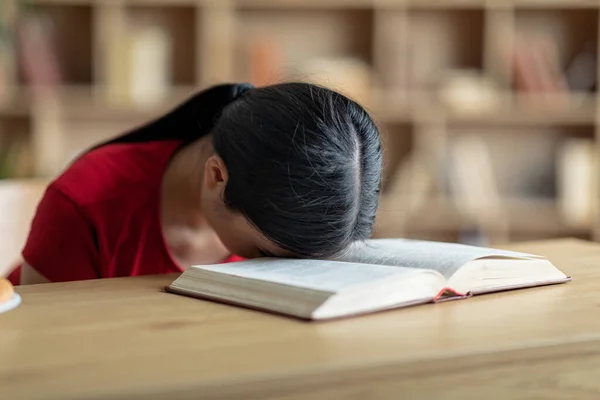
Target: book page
(329, 276)
(446, 258)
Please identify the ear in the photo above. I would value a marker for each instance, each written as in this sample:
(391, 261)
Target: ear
(215, 173)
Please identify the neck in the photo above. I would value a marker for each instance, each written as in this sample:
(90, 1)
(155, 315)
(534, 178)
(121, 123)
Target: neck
(182, 184)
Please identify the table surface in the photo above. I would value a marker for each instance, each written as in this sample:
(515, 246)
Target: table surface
(126, 338)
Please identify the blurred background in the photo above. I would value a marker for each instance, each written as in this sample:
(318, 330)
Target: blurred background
(488, 109)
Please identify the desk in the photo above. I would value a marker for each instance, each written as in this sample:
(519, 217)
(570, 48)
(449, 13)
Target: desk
(125, 339)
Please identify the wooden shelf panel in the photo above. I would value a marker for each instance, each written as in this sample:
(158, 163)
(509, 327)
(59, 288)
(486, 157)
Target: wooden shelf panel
(89, 103)
(526, 216)
(518, 109)
(356, 3)
(15, 139)
(66, 2)
(545, 4)
(537, 117)
(17, 105)
(88, 99)
(165, 3)
(162, 3)
(304, 4)
(490, 4)
(433, 4)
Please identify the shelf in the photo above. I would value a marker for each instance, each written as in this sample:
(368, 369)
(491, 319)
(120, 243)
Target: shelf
(534, 116)
(534, 110)
(440, 4)
(358, 3)
(11, 125)
(89, 103)
(128, 2)
(566, 4)
(526, 217)
(85, 102)
(437, 4)
(304, 4)
(161, 3)
(17, 105)
(430, 72)
(509, 110)
(66, 2)
(15, 155)
(524, 111)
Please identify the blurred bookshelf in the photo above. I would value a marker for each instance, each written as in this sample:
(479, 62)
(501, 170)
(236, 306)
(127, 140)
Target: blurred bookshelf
(488, 108)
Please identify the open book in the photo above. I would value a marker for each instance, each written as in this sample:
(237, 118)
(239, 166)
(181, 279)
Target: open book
(372, 276)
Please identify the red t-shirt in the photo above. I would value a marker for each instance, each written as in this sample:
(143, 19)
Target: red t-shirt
(101, 217)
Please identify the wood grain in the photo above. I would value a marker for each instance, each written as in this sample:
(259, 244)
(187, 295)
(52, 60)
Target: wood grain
(126, 339)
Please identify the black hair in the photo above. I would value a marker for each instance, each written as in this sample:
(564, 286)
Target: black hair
(304, 161)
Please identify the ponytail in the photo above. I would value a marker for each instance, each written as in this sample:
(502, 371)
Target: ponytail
(191, 120)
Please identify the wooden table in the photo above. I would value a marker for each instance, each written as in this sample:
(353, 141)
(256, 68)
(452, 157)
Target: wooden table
(125, 339)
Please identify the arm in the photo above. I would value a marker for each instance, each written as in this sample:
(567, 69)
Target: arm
(61, 245)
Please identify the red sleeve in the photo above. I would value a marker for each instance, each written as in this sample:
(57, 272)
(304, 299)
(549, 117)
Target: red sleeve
(61, 244)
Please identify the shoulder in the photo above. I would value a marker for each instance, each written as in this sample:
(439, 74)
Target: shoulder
(112, 170)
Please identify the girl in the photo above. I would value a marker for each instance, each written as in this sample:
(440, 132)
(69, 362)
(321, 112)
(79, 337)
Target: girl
(289, 170)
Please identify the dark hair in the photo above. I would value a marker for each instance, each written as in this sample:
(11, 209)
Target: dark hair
(304, 161)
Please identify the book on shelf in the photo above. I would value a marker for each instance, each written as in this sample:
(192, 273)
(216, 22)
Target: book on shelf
(149, 46)
(37, 53)
(376, 275)
(266, 65)
(137, 46)
(576, 180)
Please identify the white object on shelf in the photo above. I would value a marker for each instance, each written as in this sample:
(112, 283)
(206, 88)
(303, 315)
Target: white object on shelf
(347, 75)
(469, 92)
(576, 181)
(150, 65)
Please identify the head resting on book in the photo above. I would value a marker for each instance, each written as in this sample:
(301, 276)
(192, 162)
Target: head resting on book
(298, 163)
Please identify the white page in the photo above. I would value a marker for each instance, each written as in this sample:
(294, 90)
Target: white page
(445, 258)
(330, 276)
